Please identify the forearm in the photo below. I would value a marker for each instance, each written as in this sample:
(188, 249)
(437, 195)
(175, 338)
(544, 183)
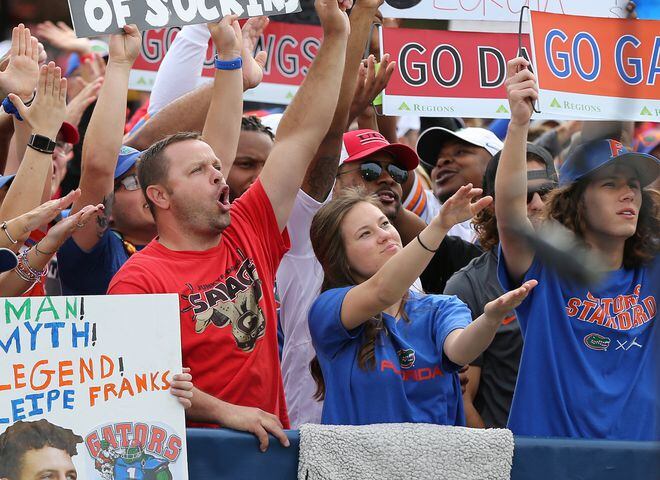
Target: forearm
(472, 417)
(321, 172)
(6, 133)
(511, 178)
(28, 185)
(206, 408)
(464, 345)
(387, 127)
(12, 284)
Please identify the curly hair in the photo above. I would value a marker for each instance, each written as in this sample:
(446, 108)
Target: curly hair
(566, 205)
(24, 436)
(251, 123)
(328, 244)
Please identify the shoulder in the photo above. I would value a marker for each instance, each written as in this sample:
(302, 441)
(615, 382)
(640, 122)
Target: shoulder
(329, 299)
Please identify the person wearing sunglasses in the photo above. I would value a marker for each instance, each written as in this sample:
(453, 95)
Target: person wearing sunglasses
(492, 376)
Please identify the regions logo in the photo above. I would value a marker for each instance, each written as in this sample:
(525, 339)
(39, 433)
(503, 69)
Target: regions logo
(596, 342)
(406, 357)
(126, 451)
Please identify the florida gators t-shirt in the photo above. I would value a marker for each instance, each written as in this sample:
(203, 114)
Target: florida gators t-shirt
(226, 298)
(413, 380)
(588, 367)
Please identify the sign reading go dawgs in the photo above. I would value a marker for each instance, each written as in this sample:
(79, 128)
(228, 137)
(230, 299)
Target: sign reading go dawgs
(92, 372)
(290, 48)
(449, 74)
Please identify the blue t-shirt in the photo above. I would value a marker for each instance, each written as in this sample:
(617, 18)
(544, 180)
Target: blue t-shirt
(89, 273)
(588, 367)
(413, 380)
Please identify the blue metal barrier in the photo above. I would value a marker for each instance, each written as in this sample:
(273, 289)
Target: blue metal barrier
(226, 454)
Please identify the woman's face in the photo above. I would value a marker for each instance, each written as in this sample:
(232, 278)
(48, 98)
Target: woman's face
(612, 201)
(369, 240)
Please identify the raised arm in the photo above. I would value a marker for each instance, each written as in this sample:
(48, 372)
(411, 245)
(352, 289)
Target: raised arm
(320, 175)
(104, 134)
(393, 280)
(307, 119)
(511, 178)
(223, 121)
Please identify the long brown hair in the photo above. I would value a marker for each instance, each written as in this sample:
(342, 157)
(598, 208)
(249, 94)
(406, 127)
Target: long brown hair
(328, 245)
(566, 205)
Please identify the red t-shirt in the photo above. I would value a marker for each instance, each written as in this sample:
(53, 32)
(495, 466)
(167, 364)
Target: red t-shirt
(226, 297)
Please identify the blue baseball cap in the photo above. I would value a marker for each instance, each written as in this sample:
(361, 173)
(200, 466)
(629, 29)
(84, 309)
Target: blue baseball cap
(127, 158)
(592, 156)
(8, 260)
(6, 180)
(648, 140)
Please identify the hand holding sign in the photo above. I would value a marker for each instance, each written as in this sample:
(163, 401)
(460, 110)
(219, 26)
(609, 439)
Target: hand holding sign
(125, 47)
(332, 14)
(521, 86)
(46, 113)
(227, 38)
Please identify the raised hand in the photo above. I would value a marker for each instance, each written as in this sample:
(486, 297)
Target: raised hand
(46, 113)
(521, 89)
(63, 229)
(332, 14)
(461, 207)
(125, 47)
(63, 37)
(370, 83)
(253, 67)
(227, 37)
(21, 75)
(83, 99)
(501, 306)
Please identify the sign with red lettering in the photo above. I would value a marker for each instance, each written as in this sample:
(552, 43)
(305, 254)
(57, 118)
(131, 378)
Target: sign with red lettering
(598, 68)
(498, 10)
(290, 48)
(94, 373)
(449, 74)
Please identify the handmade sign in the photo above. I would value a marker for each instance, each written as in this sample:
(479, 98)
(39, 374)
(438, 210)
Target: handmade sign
(449, 74)
(99, 17)
(498, 10)
(290, 47)
(597, 68)
(94, 372)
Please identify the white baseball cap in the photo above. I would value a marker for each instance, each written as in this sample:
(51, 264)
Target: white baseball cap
(432, 139)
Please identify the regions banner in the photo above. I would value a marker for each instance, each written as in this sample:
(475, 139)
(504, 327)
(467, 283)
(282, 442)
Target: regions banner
(449, 74)
(100, 17)
(92, 372)
(498, 10)
(597, 68)
(290, 48)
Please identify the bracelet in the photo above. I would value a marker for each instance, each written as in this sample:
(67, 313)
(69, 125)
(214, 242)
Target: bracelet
(45, 254)
(4, 227)
(234, 64)
(11, 109)
(29, 102)
(424, 246)
(25, 270)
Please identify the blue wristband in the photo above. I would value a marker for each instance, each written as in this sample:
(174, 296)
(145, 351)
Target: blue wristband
(234, 64)
(11, 109)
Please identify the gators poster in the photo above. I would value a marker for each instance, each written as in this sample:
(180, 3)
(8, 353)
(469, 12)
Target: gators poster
(90, 376)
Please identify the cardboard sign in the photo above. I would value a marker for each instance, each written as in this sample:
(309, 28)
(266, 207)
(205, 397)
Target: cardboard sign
(99, 368)
(498, 10)
(290, 47)
(99, 17)
(449, 74)
(598, 68)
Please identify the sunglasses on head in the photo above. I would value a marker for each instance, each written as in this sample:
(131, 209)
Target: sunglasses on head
(371, 171)
(542, 190)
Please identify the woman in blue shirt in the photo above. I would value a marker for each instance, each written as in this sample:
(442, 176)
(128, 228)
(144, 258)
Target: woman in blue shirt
(384, 353)
(589, 366)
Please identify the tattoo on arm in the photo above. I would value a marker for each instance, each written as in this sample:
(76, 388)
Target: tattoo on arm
(320, 177)
(103, 219)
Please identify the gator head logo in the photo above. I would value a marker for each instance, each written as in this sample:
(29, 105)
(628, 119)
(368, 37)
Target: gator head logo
(596, 342)
(406, 357)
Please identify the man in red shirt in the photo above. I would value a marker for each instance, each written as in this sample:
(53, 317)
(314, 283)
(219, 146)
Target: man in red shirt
(222, 268)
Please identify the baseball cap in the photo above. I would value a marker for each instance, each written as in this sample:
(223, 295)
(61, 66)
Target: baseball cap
(431, 141)
(648, 140)
(540, 152)
(594, 155)
(6, 180)
(359, 144)
(127, 158)
(8, 260)
(69, 133)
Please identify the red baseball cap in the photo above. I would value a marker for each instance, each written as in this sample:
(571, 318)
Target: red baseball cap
(359, 144)
(69, 133)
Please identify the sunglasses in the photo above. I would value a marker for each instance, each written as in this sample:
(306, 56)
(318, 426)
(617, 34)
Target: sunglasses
(371, 171)
(542, 190)
(130, 183)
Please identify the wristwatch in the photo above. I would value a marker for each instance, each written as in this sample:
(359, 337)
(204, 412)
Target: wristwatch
(41, 143)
